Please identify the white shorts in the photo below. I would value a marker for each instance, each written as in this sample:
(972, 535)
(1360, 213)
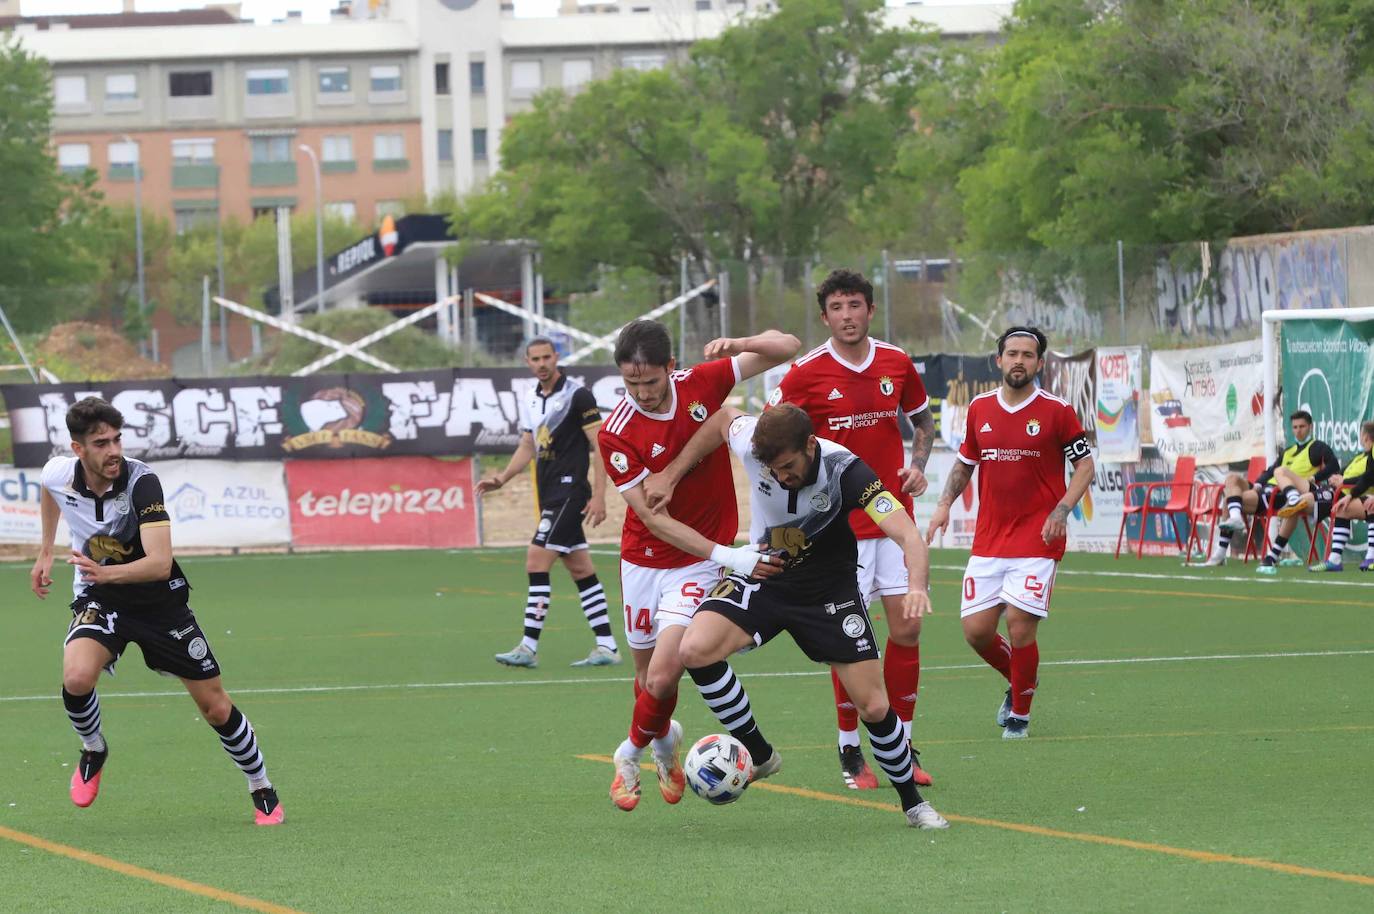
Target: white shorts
(1024, 583)
(882, 569)
(656, 598)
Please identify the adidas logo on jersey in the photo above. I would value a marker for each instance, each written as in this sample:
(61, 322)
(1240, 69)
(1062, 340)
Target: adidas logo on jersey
(986, 427)
(834, 394)
(656, 450)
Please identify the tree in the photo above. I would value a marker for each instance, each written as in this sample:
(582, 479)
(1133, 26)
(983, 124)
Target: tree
(45, 216)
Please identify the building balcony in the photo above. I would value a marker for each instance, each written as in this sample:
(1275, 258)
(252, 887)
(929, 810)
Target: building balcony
(120, 173)
(273, 174)
(391, 164)
(195, 175)
(339, 167)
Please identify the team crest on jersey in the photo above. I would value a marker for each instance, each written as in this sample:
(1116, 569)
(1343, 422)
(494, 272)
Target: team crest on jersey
(620, 462)
(121, 503)
(820, 501)
(885, 385)
(697, 410)
(1033, 427)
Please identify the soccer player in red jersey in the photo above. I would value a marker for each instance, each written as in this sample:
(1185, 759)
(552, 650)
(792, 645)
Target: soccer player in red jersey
(668, 563)
(1018, 437)
(853, 388)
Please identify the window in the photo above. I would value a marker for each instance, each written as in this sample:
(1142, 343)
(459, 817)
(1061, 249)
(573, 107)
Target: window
(345, 211)
(338, 149)
(276, 81)
(445, 145)
(577, 73)
(526, 77)
(74, 157)
(479, 144)
(193, 152)
(188, 220)
(270, 148)
(390, 208)
(388, 146)
(477, 76)
(122, 155)
(121, 87)
(334, 80)
(198, 82)
(69, 91)
(643, 61)
(441, 79)
(270, 212)
(703, 5)
(385, 79)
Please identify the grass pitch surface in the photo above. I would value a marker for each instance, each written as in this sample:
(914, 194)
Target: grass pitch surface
(1201, 740)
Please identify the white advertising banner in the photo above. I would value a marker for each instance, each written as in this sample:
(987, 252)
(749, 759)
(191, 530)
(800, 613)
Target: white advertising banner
(221, 504)
(1206, 403)
(1118, 403)
(20, 520)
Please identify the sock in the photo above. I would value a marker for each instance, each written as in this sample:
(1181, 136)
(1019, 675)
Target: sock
(890, 749)
(536, 608)
(1290, 495)
(844, 712)
(1233, 507)
(84, 713)
(593, 597)
(1025, 674)
(1369, 548)
(727, 699)
(652, 717)
(1340, 534)
(1275, 550)
(998, 656)
(238, 739)
(902, 675)
(1224, 540)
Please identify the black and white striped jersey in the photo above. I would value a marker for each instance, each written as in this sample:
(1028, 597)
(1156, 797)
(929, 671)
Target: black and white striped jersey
(107, 528)
(562, 453)
(809, 527)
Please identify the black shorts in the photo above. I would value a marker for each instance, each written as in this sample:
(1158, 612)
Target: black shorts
(1266, 494)
(1325, 498)
(832, 631)
(172, 643)
(560, 526)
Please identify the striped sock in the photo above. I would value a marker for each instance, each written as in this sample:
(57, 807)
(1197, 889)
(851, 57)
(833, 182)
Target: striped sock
(84, 713)
(1369, 547)
(1340, 534)
(238, 739)
(536, 608)
(1275, 550)
(593, 597)
(727, 699)
(893, 753)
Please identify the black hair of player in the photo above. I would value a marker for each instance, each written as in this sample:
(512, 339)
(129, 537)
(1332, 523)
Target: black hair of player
(1042, 342)
(88, 414)
(1302, 414)
(539, 341)
(1367, 429)
(644, 342)
(782, 429)
(844, 281)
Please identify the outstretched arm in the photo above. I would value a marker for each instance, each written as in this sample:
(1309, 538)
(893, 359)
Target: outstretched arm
(1057, 524)
(756, 353)
(744, 560)
(958, 478)
(524, 453)
(658, 488)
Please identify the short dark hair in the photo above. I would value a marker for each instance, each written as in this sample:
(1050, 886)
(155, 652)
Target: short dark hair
(86, 414)
(644, 342)
(844, 281)
(1041, 341)
(1302, 414)
(1367, 429)
(539, 341)
(781, 428)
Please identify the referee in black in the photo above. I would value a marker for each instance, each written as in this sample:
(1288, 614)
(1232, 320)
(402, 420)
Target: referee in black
(559, 420)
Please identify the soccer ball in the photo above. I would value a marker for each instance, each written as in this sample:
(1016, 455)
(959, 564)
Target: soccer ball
(718, 768)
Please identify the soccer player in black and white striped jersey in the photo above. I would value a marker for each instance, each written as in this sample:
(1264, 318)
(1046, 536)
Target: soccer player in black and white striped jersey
(129, 589)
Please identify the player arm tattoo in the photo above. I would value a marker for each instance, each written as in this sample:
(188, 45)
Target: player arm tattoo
(959, 476)
(924, 438)
(1082, 477)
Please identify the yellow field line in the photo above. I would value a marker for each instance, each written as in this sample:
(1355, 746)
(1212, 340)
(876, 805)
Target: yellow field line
(138, 872)
(1041, 831)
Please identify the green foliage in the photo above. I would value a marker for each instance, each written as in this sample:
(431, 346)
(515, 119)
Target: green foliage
(408, 349)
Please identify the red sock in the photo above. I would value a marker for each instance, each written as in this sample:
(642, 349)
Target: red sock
(902, 674)
(638, 688)
(1025, 671)
(651, 717)
(998, 655)
(845, 711)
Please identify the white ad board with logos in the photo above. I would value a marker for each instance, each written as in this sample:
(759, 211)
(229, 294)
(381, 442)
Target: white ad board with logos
(1206, 403)
(20, 518)
(222, 504)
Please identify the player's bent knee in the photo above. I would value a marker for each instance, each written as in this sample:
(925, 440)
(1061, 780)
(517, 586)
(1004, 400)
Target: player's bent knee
(79, 681)
(873, 709)
(696, 652)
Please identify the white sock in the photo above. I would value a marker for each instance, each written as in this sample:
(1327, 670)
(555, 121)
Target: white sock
(663, 747)
(1236, 514)
(530, 643)
(630, 750)
(906, 729)
(607, 641)
(94, 744)
(849, 738)
(1369, 549)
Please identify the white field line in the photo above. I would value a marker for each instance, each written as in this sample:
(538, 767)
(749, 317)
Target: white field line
(403, 686)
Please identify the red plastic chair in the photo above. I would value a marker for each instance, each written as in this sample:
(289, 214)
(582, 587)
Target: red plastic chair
(1255, 546)
(1179, 490)
(1205, 506)
(1256, 467)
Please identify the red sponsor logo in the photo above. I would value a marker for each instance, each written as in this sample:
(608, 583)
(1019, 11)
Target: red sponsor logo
(1113, 367)
(382, 501)
(1035, 586)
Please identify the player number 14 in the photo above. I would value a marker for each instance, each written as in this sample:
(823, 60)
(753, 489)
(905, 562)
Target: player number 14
(638, 621)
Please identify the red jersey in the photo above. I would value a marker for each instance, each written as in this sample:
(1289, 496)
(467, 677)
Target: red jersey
(634, 444)
(1020, 453)
(856, 406)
